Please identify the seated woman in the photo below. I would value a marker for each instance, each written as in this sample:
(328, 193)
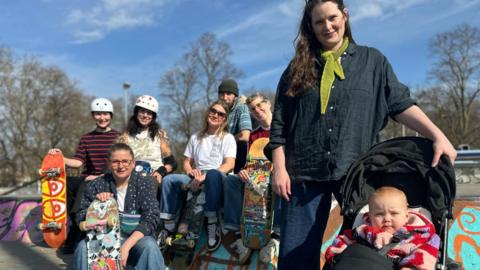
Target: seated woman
(260, 108)
(388, 219)
(209, 155)
(148, 142)
(134, 194)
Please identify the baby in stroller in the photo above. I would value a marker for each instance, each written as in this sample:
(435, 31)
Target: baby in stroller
(407, 238)
(404, 164)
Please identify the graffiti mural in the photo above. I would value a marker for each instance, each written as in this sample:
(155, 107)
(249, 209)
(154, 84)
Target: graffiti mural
(464, 238)
(19, 219)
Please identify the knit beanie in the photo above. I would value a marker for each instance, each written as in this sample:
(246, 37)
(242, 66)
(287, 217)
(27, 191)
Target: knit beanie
(228, 85)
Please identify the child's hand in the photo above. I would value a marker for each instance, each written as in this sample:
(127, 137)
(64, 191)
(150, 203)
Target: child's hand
(383, 239)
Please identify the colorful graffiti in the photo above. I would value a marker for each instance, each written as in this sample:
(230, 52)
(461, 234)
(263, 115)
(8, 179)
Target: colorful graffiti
(464, 238)
(19, 219)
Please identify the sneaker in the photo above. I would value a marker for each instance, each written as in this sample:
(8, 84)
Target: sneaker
(162, 237)
(268, 252)
(242, 251)
(214, 236)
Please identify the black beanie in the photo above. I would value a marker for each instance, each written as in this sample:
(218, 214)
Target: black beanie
(228, 85)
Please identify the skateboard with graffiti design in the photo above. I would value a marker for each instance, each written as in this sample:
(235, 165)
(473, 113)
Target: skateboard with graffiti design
(103, 235)
(257, 215)
(191, 221)
(54, 197)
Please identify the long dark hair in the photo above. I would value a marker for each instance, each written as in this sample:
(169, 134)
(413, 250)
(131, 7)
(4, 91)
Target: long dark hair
(134, 127)
(302, 67)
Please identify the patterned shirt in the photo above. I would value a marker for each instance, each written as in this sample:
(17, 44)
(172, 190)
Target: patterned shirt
(239, 119)
(93, 150)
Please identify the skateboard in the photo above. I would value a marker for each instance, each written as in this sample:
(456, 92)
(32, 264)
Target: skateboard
(257, 215)
(54, 197)
(191, 221)
(103, 235)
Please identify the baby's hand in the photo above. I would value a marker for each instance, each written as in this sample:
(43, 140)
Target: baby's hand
(383, 239)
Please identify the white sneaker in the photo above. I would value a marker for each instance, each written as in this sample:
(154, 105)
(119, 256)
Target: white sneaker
(214, 236)
(269, 251)
(242, 251)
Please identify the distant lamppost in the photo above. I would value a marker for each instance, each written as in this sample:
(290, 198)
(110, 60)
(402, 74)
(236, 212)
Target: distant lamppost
(126, 85)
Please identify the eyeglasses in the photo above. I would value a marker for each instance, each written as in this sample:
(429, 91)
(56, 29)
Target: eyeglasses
(212, 111)
(252, 106)
(116, 163)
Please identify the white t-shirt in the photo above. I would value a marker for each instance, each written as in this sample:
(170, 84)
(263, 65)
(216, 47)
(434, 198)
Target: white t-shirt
(209, 152)
(121, 192)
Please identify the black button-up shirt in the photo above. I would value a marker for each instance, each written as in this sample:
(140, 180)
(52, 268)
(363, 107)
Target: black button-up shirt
(322, 147)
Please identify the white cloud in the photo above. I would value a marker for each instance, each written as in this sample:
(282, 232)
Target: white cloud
(96, 22)
(380, 8)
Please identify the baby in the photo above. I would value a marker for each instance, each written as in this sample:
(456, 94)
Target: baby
(387, 221)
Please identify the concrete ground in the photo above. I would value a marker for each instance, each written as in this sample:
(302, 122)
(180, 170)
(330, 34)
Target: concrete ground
(20, 256)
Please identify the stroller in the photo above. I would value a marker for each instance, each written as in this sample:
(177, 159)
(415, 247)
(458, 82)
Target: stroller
(404, 163)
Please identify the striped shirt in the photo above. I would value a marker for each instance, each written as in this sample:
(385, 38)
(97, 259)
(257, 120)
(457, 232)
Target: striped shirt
(93, 151)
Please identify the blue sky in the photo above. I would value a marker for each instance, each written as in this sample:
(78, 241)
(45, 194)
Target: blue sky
(102, 43)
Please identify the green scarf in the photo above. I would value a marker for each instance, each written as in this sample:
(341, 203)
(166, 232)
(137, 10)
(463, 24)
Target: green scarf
(332, 67)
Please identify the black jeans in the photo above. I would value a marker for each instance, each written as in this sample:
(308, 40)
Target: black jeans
(75, 188)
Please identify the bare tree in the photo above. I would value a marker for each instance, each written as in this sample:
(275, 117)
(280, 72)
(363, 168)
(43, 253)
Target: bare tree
(456, 74)
(40, 108)
(190, 85)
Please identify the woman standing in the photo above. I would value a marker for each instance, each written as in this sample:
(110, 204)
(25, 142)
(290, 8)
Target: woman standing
(148, 142)
(331, 103)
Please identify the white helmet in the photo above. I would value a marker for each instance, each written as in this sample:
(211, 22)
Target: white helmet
(147, 102)
(101, 105)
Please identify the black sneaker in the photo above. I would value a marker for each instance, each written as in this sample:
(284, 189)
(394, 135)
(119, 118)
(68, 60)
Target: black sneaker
(214, 236)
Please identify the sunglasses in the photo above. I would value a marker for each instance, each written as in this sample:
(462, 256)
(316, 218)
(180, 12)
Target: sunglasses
(212, 111)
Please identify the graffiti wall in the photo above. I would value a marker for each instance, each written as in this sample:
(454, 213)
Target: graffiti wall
(19, 218)
(464, 234)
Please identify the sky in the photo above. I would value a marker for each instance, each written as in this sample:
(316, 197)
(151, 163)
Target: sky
(102, 43)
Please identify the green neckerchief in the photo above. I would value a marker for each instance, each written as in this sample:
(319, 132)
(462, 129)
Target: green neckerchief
(332, 67)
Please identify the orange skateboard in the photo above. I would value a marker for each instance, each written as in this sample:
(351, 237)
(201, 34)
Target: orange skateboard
(54, 197)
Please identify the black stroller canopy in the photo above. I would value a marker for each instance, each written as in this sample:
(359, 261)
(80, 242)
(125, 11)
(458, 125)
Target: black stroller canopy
(404, 163)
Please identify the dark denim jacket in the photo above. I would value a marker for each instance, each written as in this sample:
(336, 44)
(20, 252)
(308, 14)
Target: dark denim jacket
(140, 199)
(322, 147)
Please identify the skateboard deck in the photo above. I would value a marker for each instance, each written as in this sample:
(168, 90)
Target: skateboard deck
(191, 221)
(103, 235)
(54, 197)
(257, 215)
(181, 246)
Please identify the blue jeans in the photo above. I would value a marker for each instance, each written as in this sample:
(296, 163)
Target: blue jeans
(144, 255)
(233, 189)
(303, 221)
(173, 195)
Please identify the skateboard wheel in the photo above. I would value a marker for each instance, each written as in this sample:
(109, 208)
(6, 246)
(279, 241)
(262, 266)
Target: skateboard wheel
(40, 172)
(112, 221)
(40, 226)
(190, 243)
(168, 241)
(58, 226)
